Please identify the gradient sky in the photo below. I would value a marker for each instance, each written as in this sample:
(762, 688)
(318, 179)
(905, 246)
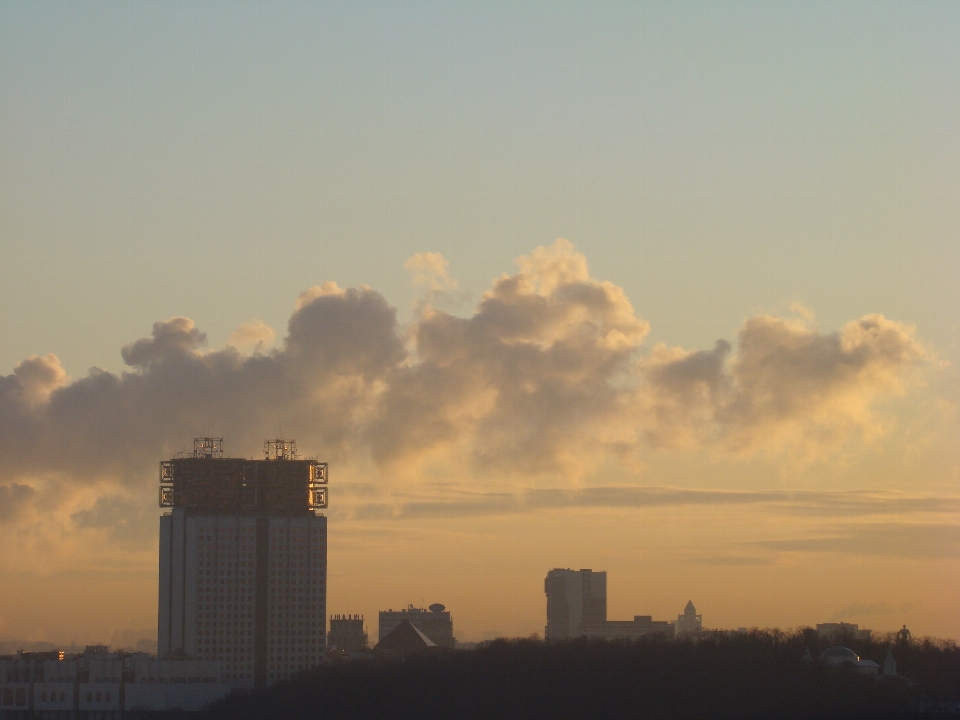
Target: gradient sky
(762, 173)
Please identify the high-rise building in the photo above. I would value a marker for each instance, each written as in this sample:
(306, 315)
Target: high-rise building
(574, 598)
(434, 622)
(243, 561)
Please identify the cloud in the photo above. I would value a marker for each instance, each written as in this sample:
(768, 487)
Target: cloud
(907, 540)
(14, 499)
(255, 333)
(531, 382)
(431, 271)
(787, 384)
(124, 519)
(176, 336)
(803, 503)
(861, 610)
(732, 560)
(33, 380)
(547, 378)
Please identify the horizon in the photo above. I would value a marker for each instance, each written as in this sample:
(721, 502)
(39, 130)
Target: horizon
(665, 290)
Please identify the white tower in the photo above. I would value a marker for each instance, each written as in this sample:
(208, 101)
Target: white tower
(889, 664)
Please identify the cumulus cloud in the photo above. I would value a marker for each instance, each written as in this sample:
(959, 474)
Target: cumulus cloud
(34, 379)
(174, 336)
(430, 272)
(787, 383)
(547, 376)
(530, 382)
(255, 333)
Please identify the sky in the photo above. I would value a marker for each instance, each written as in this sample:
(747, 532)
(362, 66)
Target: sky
(670, 290)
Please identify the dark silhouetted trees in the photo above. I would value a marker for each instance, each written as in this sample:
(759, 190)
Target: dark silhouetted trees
(757, 675)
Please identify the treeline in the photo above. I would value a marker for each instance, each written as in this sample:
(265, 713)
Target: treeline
(757, 675)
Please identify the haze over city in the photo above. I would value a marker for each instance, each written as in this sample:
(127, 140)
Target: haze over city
(665, 290)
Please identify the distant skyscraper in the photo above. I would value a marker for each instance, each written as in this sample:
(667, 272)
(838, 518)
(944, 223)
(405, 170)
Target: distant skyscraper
(243, 561)
(574, 598)
(689, 622)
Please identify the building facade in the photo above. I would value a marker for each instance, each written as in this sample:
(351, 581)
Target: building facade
(841, 629)
(99, 685)
(347, 633)
(640, 626)
(243, 561)
(574, 598)
(435, 622)
(689, 623)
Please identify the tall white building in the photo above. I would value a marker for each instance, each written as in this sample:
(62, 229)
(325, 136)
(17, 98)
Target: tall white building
(243, 561)
(574, 598)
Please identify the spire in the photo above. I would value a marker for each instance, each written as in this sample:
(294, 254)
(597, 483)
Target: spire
(689, 609)
(889, 664)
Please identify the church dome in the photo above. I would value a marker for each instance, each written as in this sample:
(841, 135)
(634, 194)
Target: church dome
(839, 655)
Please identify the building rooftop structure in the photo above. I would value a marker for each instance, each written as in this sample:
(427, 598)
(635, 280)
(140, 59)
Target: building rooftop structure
(435, 622)
(839, 655)
(208, 483)
(404, 639)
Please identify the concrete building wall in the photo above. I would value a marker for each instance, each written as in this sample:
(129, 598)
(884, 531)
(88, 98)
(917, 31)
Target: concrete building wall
(574, 597)
(297, 599)
(103, 697)
(59, 671)
(165, 588)
(251, 593)
(52, 696)
(640, 626)
(164, 697)
(106, 686)
(347, 633)
(14, 696)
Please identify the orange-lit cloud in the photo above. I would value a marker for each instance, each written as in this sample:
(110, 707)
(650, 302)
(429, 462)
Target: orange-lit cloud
(546, 378)
(785, 384)
(253, 334)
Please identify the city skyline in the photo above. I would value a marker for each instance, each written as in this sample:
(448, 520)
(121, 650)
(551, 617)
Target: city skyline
(668, 289)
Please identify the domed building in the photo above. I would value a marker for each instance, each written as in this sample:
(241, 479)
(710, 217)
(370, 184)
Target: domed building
(838, 656)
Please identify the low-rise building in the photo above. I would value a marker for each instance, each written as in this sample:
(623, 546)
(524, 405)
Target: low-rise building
(640, 626)
(434, 622)
(103, 685)
(347, 634)
(841, 629)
